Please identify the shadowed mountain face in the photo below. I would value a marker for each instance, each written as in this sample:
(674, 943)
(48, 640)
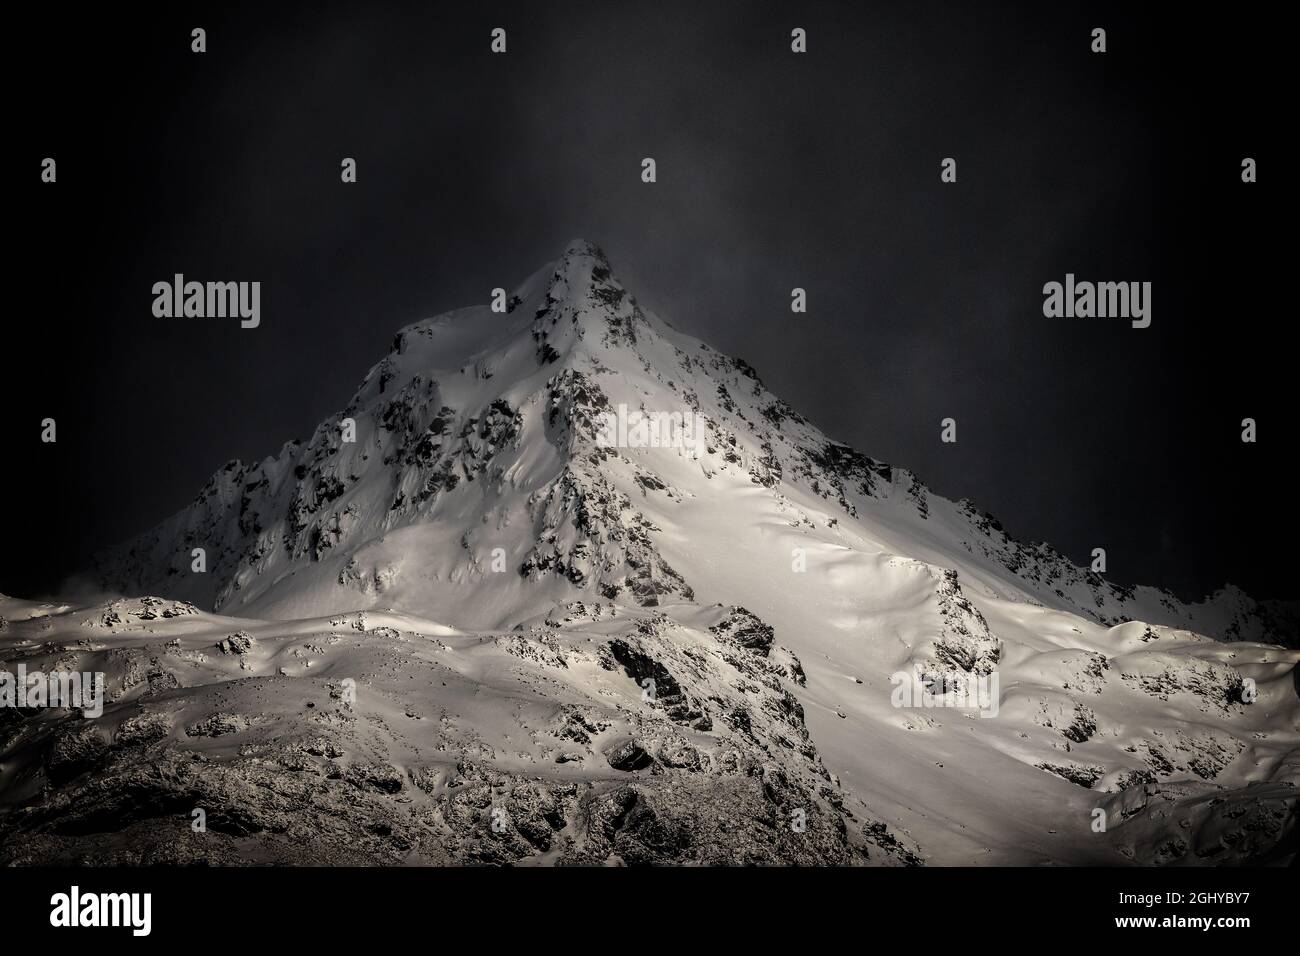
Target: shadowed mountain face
(564, 542)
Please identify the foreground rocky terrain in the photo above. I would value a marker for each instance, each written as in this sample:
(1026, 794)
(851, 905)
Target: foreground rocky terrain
(607, 735)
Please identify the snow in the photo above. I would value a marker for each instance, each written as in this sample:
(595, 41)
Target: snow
(477, 432)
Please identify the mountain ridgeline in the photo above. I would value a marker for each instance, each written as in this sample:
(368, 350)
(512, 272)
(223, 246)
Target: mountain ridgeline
(479, 430)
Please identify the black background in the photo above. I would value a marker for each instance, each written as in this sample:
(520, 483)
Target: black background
(342, 906)
(775, 170)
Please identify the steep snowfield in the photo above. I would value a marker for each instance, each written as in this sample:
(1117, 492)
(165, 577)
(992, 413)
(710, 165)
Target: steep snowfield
(478, 495)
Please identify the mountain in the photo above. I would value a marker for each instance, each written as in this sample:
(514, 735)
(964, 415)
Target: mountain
(480, 430)
(644, 580)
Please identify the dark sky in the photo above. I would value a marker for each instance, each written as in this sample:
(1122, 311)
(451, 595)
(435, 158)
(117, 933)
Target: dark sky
(775, 170)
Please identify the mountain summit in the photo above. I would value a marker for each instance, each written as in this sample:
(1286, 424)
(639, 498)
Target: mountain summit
(481, 430)
(602, 555)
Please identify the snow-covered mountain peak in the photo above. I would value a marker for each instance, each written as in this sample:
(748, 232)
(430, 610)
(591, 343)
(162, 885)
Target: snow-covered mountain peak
(574, 498)
(540, 421)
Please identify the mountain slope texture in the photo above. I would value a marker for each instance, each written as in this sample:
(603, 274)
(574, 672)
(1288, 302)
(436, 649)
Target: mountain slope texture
(561, 584)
